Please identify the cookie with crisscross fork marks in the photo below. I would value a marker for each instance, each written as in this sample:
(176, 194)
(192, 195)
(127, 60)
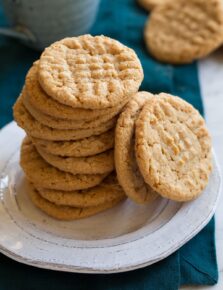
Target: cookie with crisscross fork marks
(182, 31)
(89, 72)
(173, 147)
(39, 99)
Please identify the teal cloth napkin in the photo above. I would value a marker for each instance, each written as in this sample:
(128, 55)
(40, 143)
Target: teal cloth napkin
(195, 263)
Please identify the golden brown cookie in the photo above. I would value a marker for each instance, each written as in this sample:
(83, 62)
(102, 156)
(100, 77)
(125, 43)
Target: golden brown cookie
(68, 212)
(182, 31)
(91, 72)
(103, 193)
(44, 175)
(97, 164)
(64, 124)
(128, 173)
(44, 103)
(151, 4)
(173, 147)
(38, 130)
(80, 148)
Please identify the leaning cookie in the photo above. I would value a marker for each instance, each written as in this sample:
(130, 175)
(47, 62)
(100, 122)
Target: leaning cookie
(181, 31)
(127, 170)
(44, 175)
(68, 212)
(173, 148)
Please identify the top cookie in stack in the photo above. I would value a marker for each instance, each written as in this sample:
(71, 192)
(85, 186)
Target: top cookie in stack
(68, 108)
(89, 72)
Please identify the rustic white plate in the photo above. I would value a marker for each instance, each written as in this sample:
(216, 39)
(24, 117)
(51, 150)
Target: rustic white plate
(124, 238)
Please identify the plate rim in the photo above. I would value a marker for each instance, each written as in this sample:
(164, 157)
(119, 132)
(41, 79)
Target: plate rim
(76, 269)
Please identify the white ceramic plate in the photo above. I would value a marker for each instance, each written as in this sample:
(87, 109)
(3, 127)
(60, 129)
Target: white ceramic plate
(124, 238)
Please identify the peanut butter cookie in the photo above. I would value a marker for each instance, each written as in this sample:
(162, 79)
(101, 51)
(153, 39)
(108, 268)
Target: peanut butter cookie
(97, 164)
(42, 102)
(182, 31)
(103, 193)
(128, 173)
(68, 212)
(173, 148)
(38, 130)
(44, 175)
(80, 148)
(91, 72)
(64, 124)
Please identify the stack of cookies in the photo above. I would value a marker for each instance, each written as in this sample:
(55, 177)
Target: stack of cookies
(68, 108)
(84, 118)
(162, 147)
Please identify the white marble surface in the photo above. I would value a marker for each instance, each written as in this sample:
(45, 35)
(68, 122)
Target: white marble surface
(211, 81)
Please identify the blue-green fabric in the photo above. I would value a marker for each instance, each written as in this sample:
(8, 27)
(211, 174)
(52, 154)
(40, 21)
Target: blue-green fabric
(194, 263)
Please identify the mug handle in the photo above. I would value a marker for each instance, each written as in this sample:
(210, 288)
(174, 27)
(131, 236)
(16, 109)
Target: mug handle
(19, 32)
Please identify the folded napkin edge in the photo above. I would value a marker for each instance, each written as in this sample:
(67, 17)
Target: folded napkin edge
(212, 280)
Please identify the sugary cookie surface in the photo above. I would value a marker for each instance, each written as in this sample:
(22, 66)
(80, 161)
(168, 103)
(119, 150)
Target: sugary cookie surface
(40, 100)
(173, 148)
(89, 72)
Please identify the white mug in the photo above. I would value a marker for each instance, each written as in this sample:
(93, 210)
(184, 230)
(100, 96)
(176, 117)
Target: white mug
(38, 23)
